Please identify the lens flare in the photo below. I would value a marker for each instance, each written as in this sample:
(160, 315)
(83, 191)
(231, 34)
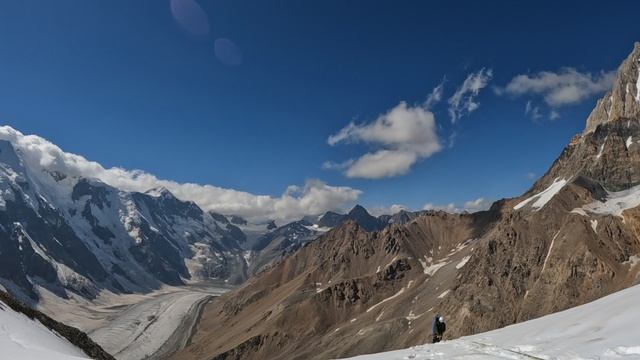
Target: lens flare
(228, 52)
(190, 16)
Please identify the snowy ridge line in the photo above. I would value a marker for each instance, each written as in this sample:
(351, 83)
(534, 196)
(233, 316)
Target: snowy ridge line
(543, 197)
(603, 329)
(28, 334)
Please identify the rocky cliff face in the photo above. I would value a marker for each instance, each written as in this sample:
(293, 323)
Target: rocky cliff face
(572, 238)
(623, 101)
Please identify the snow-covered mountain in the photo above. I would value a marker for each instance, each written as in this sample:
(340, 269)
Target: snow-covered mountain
(67, 232)
(604, 329)
(70, 233)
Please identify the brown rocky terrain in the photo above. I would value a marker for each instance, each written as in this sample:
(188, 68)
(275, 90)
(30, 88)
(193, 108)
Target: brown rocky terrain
(572, 238)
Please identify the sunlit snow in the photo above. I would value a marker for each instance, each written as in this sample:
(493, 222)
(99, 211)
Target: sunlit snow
(26, 339)
(604, 329)
(542, 198)
(616, 202)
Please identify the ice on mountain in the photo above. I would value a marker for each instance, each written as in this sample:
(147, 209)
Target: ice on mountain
(432, 269)
(387, 299)
(638, 86)
(27, 339)
(463, 262)
(616, 202)
(579, 211)
(602, 147)
(542, 198)
(628, 142)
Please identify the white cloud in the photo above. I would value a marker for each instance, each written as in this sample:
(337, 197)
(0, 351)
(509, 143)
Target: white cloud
(405, 134)
(478, 204)
(435, 96)
(532, 110)
(451, 207)
(464, 100)
(314, 198)
(565, 87)
(388, 210)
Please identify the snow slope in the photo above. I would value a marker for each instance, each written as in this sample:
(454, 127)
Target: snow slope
(604, 329)
(26, 339)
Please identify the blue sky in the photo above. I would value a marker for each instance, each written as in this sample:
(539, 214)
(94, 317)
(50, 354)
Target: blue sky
(245, 95)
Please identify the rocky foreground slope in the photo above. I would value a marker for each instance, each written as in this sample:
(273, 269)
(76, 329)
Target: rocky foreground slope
(572, 238)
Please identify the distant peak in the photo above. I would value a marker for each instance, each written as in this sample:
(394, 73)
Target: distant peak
(358, 209)
(159, 191)
(623, 100)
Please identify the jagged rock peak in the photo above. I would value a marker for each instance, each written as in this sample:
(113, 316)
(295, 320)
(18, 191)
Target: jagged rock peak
(623, 100)
(358, 210)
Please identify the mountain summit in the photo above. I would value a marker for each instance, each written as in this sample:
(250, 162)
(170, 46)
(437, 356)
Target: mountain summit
(623, 100)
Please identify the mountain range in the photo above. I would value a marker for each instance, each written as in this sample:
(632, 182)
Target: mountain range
(570, 239)
(78, 235)
(338, 285)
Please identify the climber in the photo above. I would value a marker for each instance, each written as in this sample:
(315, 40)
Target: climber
(438, 328)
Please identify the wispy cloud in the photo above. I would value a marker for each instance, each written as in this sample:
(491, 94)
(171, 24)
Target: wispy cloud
(478, 204)
(387, 210)
(403, 135)
(464, 100)
(567, 86)
(532, 110)
(435, 96)
(313, 198)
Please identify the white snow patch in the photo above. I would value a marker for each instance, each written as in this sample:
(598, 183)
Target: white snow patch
(633, 261)
(26, 339)
(544, 264)
(445, 293)
(623, 350)
(603, 329)
(594, 225)
(629, 142)
(413, 316)
(616, 202)
(602, 147)
(432, 269)
(638, 86)
(579, 211)
(316, 227)
(543, 197)
(463, 262)
(387, 299)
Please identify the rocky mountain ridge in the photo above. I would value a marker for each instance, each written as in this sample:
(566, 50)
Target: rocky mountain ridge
(570, 239)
